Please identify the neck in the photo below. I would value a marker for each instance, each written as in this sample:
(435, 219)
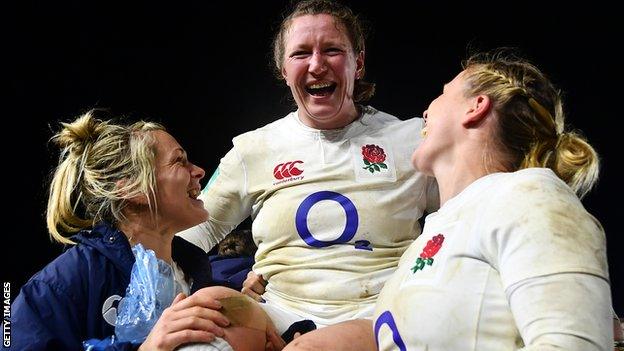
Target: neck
(460, 169)
(343, 118)
(141, 229)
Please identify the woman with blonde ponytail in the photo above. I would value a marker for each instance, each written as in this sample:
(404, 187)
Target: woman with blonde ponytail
(511, 260)
(117, 186)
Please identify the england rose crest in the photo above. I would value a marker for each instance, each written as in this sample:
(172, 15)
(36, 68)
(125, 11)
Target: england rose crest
(426, 256)
(373, 157)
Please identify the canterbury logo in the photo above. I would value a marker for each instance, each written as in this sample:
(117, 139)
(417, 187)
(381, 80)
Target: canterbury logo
(109, 309)
(287, 170)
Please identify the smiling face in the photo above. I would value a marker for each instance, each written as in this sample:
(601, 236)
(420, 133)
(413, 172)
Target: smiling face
(177, 185)
(443, 126)
(320, 68)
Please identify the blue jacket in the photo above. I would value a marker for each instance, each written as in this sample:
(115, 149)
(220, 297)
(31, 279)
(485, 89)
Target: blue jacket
(74, 298)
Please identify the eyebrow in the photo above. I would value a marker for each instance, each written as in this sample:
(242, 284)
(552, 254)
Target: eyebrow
(178, 150)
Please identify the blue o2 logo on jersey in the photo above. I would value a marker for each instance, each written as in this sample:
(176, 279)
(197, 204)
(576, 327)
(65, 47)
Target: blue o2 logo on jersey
(301, 218)
(388, 319)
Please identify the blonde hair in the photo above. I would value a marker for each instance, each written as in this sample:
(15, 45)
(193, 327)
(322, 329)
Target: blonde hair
(531, 128)
(362, 90)
(101, 165)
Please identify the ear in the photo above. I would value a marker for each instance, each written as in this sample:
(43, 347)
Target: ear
(135, 200)
(359, 64)
(284, 75)
(478, 109)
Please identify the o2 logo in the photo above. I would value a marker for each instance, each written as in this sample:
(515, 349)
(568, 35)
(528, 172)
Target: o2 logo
(301, 218)
(386, 318)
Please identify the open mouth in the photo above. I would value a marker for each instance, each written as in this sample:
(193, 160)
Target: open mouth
(321, 89)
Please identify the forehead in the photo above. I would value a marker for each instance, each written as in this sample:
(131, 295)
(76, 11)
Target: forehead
(321, 26)
(165, 144)
(458, 81)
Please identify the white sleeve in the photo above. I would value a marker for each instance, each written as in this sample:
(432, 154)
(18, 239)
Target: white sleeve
(226, 199)
(551, 256)
(569, 311)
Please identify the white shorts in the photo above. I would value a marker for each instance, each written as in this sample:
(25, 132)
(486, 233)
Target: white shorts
(283, 319)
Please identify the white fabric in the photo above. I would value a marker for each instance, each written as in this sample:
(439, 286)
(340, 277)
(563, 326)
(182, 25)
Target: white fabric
(333, 283)
(218, 344)
(282, 318)
(178, 276)
(522, 262)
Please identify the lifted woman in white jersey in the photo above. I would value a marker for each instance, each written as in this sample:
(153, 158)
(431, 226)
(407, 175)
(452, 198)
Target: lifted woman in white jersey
(330, 187)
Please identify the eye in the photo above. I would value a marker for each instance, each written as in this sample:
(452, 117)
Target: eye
(334, 51)
(181, 160)
(300, 54)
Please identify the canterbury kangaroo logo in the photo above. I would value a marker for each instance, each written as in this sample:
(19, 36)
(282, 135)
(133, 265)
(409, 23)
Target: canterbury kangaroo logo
(287, 170)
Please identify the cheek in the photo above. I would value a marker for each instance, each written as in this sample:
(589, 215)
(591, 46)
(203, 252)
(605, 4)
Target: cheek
(344, 67)
(293, 71)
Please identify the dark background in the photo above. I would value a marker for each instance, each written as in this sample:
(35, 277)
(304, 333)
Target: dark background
(203, 70)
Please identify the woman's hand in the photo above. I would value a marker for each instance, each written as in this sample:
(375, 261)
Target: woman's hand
(254, 286)
(188, 319)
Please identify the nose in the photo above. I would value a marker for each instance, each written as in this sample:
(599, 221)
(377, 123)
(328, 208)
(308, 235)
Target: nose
(317, 63)
(197, 172)
(425, 115)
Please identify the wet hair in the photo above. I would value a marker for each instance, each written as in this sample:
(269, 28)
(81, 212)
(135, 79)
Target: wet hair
(362, 90)
(101, 166)
(531, 128)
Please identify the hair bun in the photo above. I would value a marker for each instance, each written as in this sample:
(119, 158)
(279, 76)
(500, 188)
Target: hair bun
(77, 135)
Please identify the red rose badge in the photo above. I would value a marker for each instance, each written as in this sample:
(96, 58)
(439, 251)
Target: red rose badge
(374, 157)
(426, 256)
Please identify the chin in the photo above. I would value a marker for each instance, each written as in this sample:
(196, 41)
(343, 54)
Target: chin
(198, 219)
(418, 162)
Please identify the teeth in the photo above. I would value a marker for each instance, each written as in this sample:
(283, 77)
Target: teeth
(423, 132)
(194, 193)
(320, 85)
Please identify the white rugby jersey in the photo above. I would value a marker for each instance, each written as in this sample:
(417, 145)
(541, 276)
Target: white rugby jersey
(332, 210)
(513, 259)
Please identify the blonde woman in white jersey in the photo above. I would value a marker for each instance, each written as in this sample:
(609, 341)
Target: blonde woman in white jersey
(511, 260)
(330, 188)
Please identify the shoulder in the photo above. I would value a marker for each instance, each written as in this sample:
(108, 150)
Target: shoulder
(267, 129)
(536, 200)
(535, 184)
(386, 121)
(65, 275)
(95, 259)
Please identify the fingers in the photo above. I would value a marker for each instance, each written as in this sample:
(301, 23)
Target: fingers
(200, 312)
(254, 286)
(195, 323)
(252, 294)
(178, 298)
(188, 319)
(196, 300)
